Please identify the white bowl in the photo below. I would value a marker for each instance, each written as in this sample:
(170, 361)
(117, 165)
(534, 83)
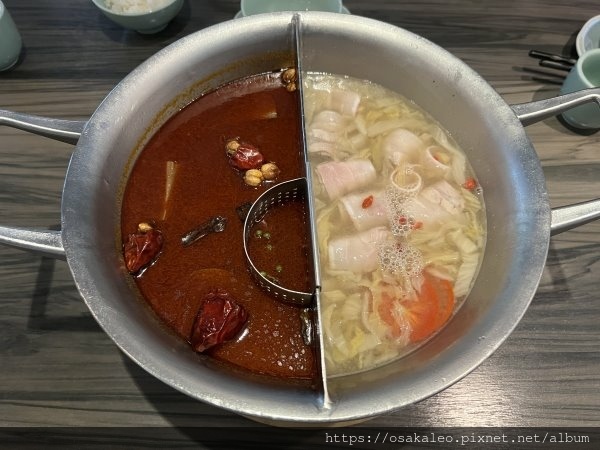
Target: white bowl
(588, 37)
(146, 23)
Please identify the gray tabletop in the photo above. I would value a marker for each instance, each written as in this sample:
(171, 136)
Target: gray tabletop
(57, 367)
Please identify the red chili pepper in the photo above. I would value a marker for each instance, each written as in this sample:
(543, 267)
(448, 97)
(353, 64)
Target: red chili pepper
(246, 156)
(417, 225)
(220, 319)
(367, 202)
(470, 184)
(141, 249)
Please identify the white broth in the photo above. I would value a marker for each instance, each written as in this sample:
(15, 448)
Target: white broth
(400, 221)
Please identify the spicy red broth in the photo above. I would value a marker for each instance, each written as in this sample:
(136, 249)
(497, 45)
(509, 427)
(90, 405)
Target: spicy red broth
(183, 178)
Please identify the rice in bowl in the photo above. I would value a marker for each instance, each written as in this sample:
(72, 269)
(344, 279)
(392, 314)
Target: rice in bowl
(136, 6)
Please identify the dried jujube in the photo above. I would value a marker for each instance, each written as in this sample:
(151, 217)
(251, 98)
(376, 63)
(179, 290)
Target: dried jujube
(244, 156)
(219, 319)
(142, 248)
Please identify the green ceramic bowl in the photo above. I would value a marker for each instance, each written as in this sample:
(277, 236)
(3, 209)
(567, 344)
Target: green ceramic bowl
(146, 23)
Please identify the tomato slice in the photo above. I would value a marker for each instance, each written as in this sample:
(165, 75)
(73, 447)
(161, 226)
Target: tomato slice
(426, 313)
(432, 308)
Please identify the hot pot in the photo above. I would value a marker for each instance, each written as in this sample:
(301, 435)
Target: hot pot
(520, 220)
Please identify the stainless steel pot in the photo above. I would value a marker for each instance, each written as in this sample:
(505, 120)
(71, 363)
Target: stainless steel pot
(519, 217)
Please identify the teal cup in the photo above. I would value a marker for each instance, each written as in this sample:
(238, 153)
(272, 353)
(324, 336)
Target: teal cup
(585, 74)
(251, 7)
(10, 40)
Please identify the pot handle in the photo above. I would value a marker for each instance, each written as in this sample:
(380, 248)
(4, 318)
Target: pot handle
(58, 129)
(44, 242)
(567, 217)
(571, 216)
(532, 112)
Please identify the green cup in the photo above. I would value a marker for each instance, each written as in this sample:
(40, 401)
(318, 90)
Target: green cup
(10, 40)
(251, 7)
(585, 74)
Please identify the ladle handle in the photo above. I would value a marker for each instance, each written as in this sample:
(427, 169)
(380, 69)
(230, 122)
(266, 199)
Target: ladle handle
(571, 216)
(43, 242)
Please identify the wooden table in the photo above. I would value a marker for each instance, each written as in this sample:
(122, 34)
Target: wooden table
(59, 368)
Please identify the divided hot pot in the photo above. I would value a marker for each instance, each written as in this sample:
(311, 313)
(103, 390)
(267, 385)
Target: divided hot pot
(519, 219)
